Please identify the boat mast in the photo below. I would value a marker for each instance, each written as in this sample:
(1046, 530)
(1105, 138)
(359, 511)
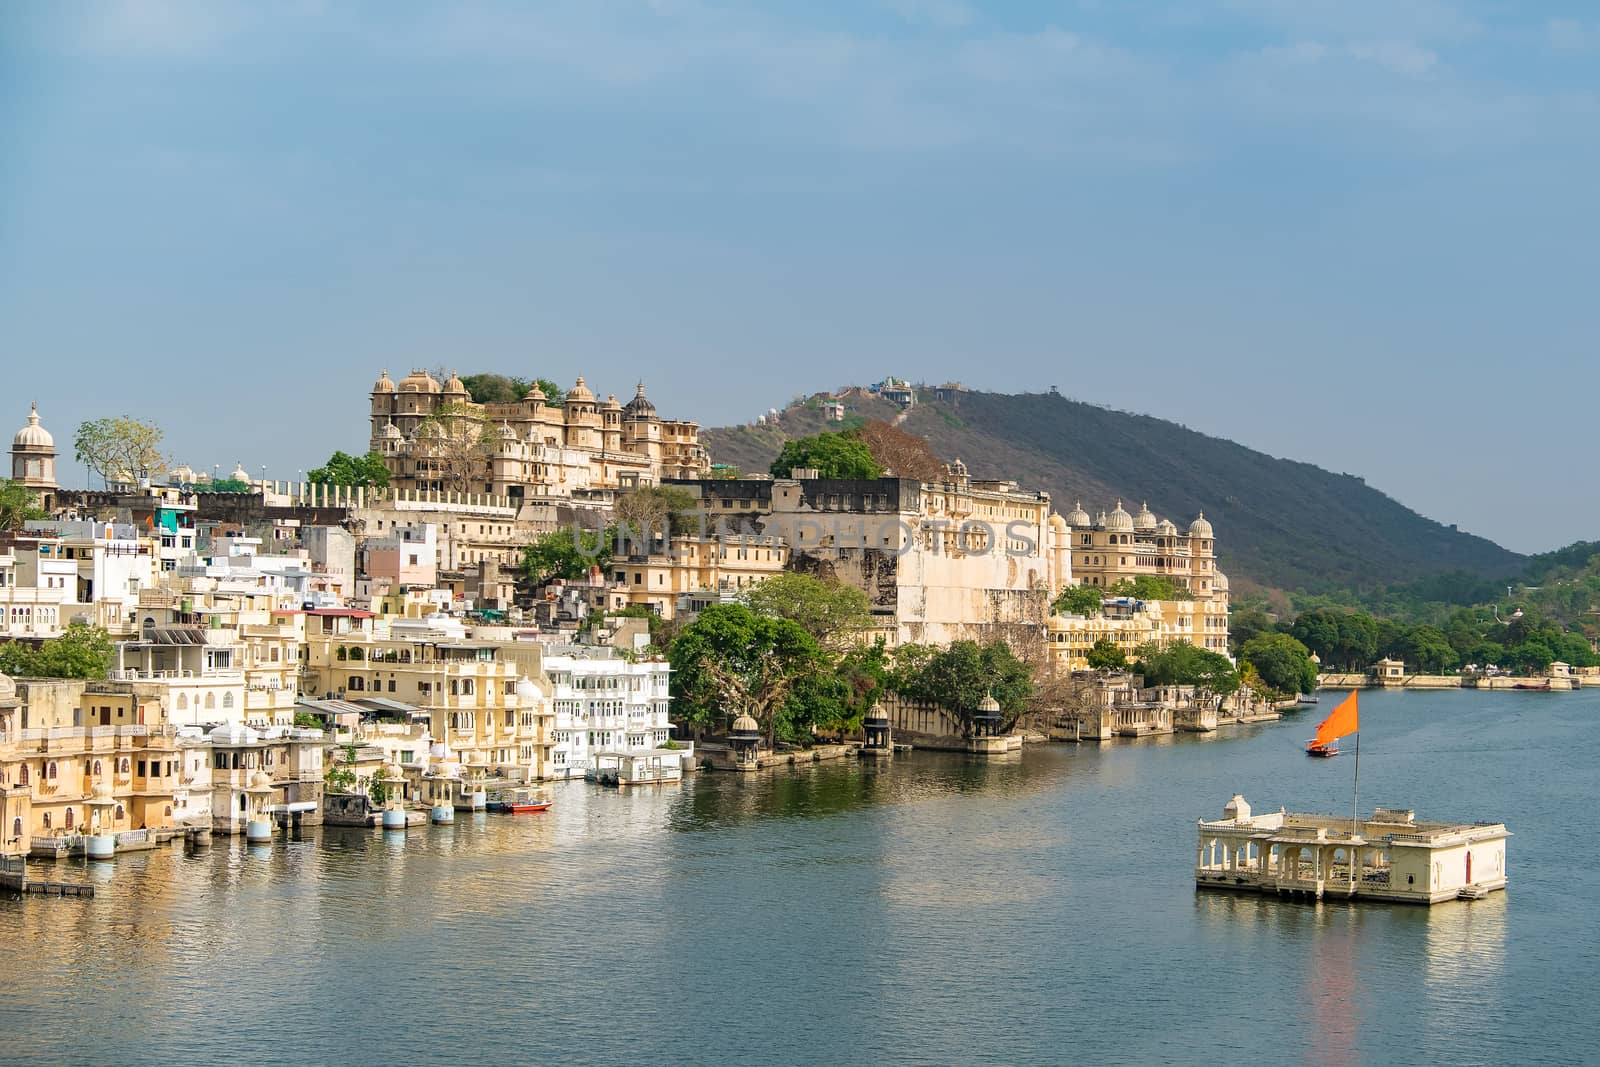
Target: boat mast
(1355, 808)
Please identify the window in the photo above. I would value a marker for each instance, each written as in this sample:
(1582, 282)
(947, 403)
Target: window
(141, 768)
(227, 700)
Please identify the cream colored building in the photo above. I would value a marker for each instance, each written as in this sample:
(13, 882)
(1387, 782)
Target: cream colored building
(534, 449)
(33, 460)
(658, 576)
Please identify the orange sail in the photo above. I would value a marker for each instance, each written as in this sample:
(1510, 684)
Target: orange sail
(1343, 721)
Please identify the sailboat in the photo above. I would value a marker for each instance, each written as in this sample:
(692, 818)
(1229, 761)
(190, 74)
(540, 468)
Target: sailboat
(1344, 720)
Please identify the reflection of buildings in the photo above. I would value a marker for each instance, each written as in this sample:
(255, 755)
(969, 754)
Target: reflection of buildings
(1466, 948)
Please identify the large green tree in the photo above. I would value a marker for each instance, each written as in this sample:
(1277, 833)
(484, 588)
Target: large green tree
(1181, 663)
(567, 553)
(503, 389)
(17, 505)
(1428, 650)
(1079, 600)
(1149, 587)
(833, 613)
(1283, 663)
(657, 510)
(731, 661)
(1105, 655)
(82, 651)
(831, 455)
(119, 449)
(344, 469)
(958, 677)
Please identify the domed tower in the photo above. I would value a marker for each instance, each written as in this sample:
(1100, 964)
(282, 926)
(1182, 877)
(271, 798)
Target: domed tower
(1077, 518)
(641, 428)
(33, 460)
(1145, 521)
(455, 391)
(1203, 553)
(582, 416)
(417, 396)
(1119, 522)
(611, 424)
(1060, 553)
(383, 391)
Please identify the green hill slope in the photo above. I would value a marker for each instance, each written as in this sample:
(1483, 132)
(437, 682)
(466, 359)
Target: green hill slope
(1280, 524)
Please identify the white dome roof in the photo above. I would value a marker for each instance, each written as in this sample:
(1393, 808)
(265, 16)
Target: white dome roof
(526, 690)
(1077, 516)
(33, 435)
(240, 474)
(1200, 527)
(988, 704)
(261, 780)
(746, 725)
(8, 689)
(234, 734)
(1166, 527)
(1119, 521)
(102, 791)
(384, 384)
(1146, 519)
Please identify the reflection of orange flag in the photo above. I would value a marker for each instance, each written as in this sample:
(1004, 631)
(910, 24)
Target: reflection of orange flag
(1342, 721)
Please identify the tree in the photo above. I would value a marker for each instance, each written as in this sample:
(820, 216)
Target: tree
(567, 553)
(119, 449)
(82, 651)
(1358, 640)
(344, 469)
(17, 505)
(341, 773)
(904, 454)
(1149, 587)
(1429, 650)
(1532, 656)
(223, 485)
(1106, 656)
(657, 511)
(453, 446)
(1181, 663)
(958, 678)
(833, 613)
(1283, 663)
(1319, 631)
(731, 661)
(1078, 600)
(1246, 624)
(831, 455)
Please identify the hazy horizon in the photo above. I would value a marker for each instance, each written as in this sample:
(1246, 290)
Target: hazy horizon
(1354, 234)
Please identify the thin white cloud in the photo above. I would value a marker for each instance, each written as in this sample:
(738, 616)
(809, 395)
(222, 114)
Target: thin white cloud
(1399, 57)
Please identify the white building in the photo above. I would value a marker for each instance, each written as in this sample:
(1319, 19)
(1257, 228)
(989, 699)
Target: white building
(604, 703)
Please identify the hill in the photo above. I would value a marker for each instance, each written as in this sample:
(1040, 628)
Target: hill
(1280, 524)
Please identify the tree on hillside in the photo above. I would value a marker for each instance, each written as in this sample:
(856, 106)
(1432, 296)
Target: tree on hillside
(82, 651)
(453, 446)
(345, 469)
(833, 613)
(902, 454)
(731, 661)
(831, 455)
(1082, 600)
(1247, 623)
(1104, 655)
(119, 449)
(1283, 663)
(17, 505)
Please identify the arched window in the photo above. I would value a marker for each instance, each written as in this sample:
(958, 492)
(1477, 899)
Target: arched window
(52, 772)
(242, 802)
(22, 775)
(341, 654)
(124, 767)
(47, 820)
(355, 653)
(69, 818)
(227, 700)
(183, 701)
(120, 813)
(169, 811)
(96, 771)
(211, 701)
(16, 828)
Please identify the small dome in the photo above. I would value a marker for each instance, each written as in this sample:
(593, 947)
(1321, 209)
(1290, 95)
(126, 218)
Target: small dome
(611, 403)
(33, 435)
(384, 384)
(8, 689)
(181, 473)
(391, 772)
(455, 386)
(1057, 522)
(1220, 583)
(233, 734)
(535, 393)
(418, 381)
(1119, 521)
(239, 474)
(1077, 516)
(390, 432)
(1145, 520)
(744, 724)
(440, 751)
(580, 392)
(1166, 528)
(1236, 808)
(1200, 527)
(261, 780)
(989, 705)
(640, 407)
(507, 433)
(876, 714)
(102, 791)
(526, 690)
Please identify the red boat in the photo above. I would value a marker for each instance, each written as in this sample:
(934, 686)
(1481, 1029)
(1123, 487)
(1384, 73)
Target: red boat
(520, 802)
(1324, 751)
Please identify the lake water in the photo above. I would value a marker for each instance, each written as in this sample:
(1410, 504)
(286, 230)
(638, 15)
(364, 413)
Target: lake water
(937, 909)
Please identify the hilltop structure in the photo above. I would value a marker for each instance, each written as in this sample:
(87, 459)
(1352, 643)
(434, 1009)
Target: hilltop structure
(433, 436)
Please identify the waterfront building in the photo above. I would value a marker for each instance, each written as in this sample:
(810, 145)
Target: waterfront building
(33, 460)
(605, 703)
(289, 758)
(433, 436)
(1394, 856)
(939, 561)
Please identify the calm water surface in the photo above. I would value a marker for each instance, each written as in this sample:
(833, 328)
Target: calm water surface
(937, 910)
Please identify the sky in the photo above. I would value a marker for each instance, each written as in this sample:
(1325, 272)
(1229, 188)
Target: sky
(1360, 233)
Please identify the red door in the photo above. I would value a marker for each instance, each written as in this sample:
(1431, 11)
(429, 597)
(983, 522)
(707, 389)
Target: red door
(105, 716)
(1469, 868)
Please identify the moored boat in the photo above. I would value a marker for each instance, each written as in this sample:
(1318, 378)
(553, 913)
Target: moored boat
(518, 802)
(1313, 748)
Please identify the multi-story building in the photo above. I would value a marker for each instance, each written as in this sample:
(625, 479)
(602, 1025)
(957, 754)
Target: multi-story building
(433, 436)
(1116, 546)
(661, 574)
(605, 704)
(939, 561)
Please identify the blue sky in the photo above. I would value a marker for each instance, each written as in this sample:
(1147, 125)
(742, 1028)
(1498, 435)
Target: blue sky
(1353, 232)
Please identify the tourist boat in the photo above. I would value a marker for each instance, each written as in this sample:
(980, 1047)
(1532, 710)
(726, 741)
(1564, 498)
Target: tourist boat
(518, 802)
(1324, 751)
(1536, 687)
